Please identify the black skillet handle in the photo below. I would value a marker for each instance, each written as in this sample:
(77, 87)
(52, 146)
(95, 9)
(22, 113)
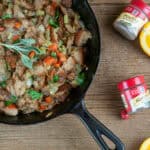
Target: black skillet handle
(96, 128)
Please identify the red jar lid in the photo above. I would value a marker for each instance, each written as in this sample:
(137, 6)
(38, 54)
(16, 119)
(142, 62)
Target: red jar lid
(142, 5)
(123, 85)
(124, 115)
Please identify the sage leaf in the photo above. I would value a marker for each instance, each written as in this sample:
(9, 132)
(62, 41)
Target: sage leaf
(26, 61)
(24, 47)
(28, 42)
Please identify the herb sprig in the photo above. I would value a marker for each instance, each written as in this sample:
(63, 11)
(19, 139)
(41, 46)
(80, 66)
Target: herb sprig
(80, 78)
(34, 94)
(24, 47)
(54, 21)
(3, 84)
(12, 100)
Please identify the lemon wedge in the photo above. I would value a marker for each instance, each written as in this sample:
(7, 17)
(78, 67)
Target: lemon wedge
(145, 145)
(145, 39)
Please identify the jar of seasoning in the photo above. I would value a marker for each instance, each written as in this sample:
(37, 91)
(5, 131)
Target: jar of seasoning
(135, 95)
(132, 19)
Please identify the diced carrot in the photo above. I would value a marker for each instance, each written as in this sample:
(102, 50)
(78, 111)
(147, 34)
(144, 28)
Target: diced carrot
(48, 27)
(17, 25)
(42, 107)
(48, 100)
(53, 47)
(32, 54)
(12, 106)
(62, 57)
(57, 65)
(2, 29)
(15, 37)
(54, 5)
(50, 60)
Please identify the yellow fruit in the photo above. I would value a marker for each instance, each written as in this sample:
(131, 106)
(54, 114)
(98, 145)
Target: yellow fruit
(145, 145)
(145, 39)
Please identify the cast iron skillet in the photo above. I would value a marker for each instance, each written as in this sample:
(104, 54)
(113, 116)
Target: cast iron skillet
(74, 103)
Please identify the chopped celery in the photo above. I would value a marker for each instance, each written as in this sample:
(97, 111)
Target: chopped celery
(29, 82)
(53, 87)
(47, 34)
(60, 43)
(40, 13)
(46, 44)
(63, 49)
(66, 19)
(41, 28)
(10, 35)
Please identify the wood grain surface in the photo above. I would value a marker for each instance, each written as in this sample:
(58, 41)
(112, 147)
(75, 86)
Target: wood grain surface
(120, 59)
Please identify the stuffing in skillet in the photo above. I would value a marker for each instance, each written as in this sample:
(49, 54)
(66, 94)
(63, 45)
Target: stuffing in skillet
(41, 54)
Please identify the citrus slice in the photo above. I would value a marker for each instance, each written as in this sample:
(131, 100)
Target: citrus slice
(145, 145)
(145, 39)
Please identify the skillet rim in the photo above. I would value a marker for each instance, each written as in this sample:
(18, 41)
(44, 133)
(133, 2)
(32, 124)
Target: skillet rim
(16, 122)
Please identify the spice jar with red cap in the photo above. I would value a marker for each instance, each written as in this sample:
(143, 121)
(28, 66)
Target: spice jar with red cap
(135, 95)
(132, 19)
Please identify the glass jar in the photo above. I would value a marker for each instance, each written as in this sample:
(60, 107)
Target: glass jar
(135, 95)
(132, 19)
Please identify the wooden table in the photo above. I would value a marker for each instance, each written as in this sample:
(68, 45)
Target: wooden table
(120, 59)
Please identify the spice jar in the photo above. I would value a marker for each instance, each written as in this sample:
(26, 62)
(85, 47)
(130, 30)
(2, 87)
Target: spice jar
(135, 95)
(132, 19)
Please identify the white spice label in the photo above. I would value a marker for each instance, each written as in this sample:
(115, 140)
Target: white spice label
(131, 22)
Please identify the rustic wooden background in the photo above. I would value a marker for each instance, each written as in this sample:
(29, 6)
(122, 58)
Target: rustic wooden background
(120, 59)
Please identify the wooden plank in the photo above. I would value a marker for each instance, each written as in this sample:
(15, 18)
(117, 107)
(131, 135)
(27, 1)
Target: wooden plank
(120, 60)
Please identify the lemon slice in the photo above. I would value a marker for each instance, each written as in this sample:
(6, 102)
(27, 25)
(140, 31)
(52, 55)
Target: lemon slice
(145, 39)
(145, 145)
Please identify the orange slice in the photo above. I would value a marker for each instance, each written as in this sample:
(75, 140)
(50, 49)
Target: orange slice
(145, 39)
(145, 145)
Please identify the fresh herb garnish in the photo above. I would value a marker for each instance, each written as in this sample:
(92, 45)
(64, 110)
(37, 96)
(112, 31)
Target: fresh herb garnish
(54, 21)
(23, 47)
(3, 84)
(12, 100)
(55, 78)
(7, 16)
(54, 54)
(60, 43)
(35, 95)
(26, 61)
(80, 78)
